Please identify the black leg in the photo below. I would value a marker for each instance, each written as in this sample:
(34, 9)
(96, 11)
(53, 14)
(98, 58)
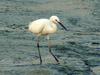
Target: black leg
(53, 55)
(39, 50)
(49, 46)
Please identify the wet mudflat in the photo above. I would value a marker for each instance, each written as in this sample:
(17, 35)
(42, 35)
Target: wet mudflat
(78, 49)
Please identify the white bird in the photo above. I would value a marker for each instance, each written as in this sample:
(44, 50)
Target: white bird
(45, 27)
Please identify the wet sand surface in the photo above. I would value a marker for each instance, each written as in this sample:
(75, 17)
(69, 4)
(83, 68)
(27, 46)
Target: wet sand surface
(78, 49)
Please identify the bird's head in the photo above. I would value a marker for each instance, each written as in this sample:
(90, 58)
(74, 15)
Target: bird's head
(55, 20)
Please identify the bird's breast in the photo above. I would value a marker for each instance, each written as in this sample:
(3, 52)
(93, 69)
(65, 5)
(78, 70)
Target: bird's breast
(49, 29)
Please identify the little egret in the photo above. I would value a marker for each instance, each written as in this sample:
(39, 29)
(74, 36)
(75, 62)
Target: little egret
(45, 27)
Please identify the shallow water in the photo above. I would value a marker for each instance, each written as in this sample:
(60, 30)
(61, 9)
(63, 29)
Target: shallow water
(78, 49)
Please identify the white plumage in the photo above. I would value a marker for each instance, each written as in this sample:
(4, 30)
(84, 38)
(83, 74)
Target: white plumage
(45, 27)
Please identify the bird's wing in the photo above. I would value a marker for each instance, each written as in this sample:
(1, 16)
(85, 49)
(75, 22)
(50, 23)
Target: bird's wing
(41, 29)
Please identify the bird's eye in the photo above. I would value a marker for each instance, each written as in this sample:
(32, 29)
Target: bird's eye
(55, 19)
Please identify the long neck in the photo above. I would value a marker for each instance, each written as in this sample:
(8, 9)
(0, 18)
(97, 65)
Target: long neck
(53, 26)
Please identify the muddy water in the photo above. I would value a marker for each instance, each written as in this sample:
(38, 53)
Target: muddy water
(78, 49)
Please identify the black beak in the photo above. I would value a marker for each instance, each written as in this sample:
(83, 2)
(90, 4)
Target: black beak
(62, 25)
